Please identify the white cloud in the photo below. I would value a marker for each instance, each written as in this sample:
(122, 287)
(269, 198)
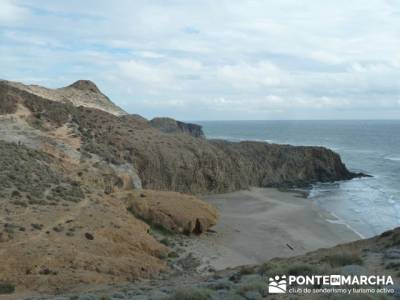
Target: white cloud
(10, 11)
(189, 65)
(149, 74)
(201, 58)
(150, 54)
(243, 75)
(326, 57)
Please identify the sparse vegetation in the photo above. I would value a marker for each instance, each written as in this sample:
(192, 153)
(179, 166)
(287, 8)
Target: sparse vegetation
(395, 239)
(26, 174)
(270, 269)
(7, 288)
(8, 103)
(303, 269)
(191, 294)
(252, 284)
(343, 259)
(247, 270)
(173, 162)
(393, 265)
(54, 113)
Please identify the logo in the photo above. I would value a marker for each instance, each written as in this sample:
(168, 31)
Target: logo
(343, 284)
(277, 285)
(335, 280)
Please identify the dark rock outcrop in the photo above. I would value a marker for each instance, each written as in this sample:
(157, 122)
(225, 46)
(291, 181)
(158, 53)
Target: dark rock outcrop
(169, 125)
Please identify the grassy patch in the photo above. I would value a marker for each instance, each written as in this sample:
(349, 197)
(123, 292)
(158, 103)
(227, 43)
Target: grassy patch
(191, 294)
(302, 269)
(252, 284)
(343, 259)
(26, 174)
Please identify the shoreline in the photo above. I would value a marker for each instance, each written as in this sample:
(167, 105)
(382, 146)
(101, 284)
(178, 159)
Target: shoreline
(340, 221)
(259, 224)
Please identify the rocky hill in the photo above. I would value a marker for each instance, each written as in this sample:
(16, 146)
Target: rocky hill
(173, 161)
(81, 93)
(85, 188)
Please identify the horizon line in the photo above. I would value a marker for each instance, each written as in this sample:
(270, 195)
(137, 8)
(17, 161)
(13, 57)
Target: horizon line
(263, 120)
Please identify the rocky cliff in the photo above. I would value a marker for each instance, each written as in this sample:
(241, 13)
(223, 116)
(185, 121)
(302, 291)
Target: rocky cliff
(169, 125)
(175, 160)
(85, 188)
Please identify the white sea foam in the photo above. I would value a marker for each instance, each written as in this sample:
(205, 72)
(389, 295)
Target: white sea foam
(393, 158)
(337, 220)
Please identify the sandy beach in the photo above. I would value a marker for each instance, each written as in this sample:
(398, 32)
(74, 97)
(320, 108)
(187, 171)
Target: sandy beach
(260, 224)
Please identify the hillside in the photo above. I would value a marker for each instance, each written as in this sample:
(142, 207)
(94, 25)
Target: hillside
(80, 93)
(88, 192)
(169, 161)
(376, 256)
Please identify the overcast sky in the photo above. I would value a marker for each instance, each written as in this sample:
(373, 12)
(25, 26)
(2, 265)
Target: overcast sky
(213, 59)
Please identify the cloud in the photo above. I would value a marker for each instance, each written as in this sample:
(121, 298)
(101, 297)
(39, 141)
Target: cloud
(213, 59)
(138, 71)
(243, 75)
(10, 12)
(150, 54)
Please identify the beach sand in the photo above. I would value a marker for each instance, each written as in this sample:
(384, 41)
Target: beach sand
(260, 224)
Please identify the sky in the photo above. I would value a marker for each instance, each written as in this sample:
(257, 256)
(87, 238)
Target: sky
(213, 60)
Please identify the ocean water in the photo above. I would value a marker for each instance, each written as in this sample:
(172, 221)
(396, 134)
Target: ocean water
(367, 205)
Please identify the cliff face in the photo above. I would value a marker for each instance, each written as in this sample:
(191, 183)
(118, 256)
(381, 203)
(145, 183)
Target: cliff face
(178, 161)
(72, 169)
(169, 125)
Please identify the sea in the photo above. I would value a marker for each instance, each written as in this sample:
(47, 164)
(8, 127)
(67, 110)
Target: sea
(369, 206)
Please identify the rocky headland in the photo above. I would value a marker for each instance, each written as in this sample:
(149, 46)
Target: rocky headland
(91, 195)
(169, 125)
